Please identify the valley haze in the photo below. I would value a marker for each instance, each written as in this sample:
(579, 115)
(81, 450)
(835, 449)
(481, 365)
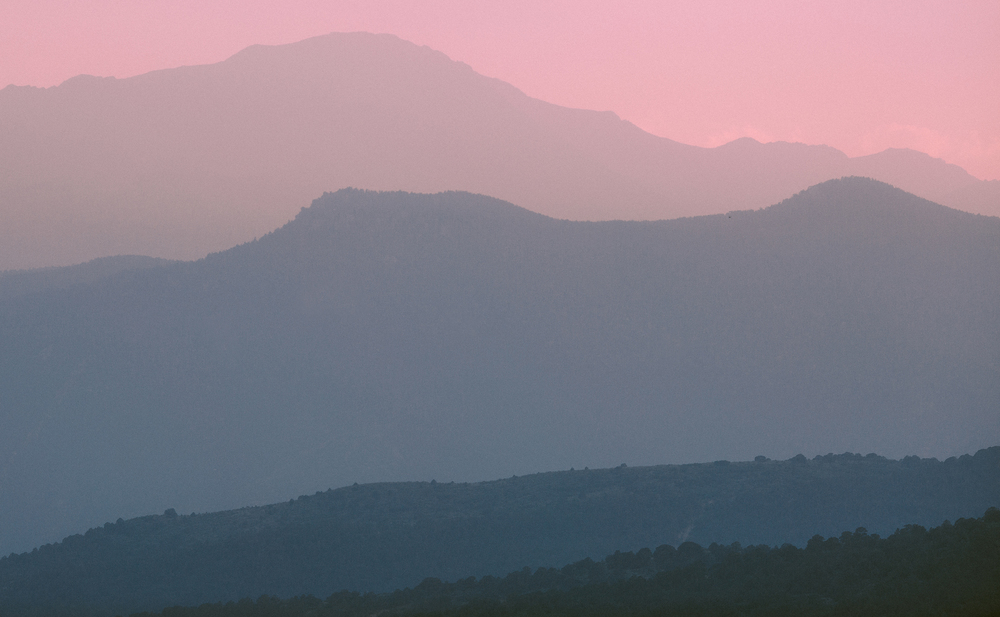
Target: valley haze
(391, 336)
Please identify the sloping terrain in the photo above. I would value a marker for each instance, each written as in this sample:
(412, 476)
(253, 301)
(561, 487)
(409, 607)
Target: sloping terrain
(949, 570)
(181, 162)
(392, 336)
(14, 283)
(380, 537)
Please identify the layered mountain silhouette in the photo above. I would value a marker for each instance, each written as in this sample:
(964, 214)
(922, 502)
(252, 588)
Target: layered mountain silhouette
(180, 162)
(396, 336)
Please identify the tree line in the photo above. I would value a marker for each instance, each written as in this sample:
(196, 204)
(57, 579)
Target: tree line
(952, 569)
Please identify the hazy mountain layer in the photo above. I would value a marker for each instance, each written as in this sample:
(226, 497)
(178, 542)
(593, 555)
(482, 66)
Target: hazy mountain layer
(387, 536)
(14, 283)
(181, 162)
(391, 336)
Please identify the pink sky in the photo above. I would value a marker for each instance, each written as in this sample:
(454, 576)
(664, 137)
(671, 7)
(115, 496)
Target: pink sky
(861, 76)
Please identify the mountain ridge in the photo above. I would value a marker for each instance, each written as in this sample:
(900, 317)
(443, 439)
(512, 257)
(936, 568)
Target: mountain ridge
(452, 336)
(181, 162)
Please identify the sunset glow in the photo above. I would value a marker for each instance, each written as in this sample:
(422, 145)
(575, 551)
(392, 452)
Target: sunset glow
(858, 76)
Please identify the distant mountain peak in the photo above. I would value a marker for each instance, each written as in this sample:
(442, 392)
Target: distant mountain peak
(741, 141)
(181, 162)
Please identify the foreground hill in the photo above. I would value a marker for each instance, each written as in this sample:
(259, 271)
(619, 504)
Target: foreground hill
(391, 336)
(380, 537)
(181, 162)
(948, 570)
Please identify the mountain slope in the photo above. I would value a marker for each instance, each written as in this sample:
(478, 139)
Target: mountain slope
(181, 162)
(14, 283)
(950, 570)
(391, 336)
(381, 537)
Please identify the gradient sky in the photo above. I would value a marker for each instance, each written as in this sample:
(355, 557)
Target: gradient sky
(861, 76)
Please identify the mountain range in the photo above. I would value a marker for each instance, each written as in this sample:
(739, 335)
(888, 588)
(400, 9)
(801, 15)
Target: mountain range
(181, 162)
(396, 336)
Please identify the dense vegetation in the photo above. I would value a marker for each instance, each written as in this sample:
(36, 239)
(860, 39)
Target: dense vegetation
(953, 569)
(385, 536)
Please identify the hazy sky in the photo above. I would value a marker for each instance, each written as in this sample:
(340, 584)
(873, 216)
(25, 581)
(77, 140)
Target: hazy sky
(858, 75)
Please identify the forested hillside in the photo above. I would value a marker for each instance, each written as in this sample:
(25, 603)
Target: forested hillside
(951, 570)
(380, 537)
